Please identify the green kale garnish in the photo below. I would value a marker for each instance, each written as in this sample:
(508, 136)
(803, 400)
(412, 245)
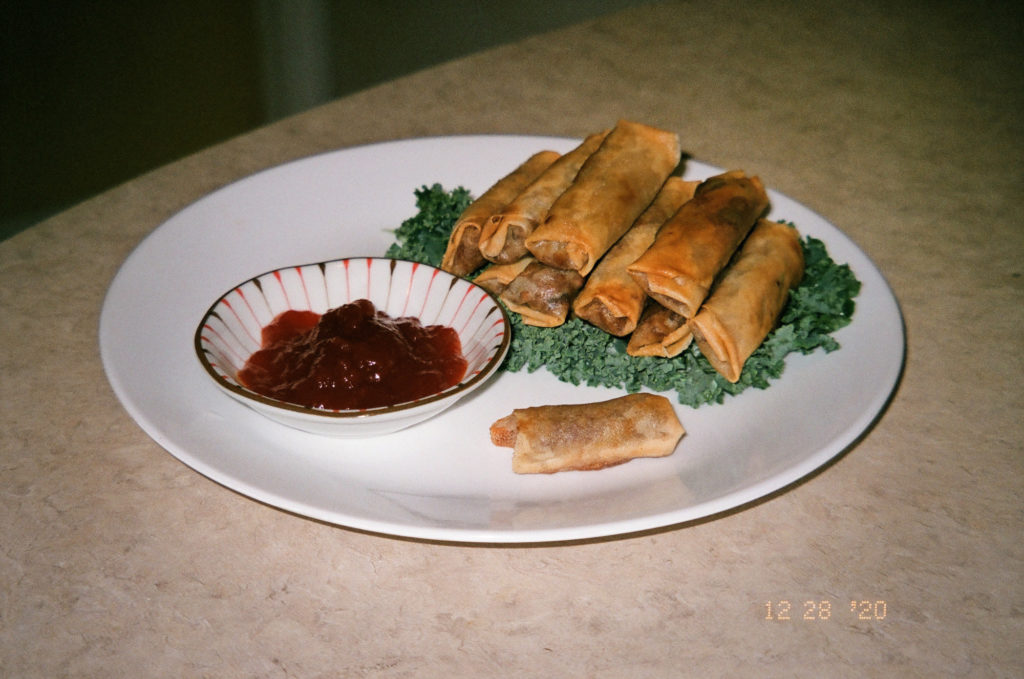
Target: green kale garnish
(423, 237)
(579, 353)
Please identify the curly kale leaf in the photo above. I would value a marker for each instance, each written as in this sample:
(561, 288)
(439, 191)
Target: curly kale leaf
(424, 236)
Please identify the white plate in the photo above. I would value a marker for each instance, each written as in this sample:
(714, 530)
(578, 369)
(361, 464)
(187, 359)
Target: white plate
(443, 479)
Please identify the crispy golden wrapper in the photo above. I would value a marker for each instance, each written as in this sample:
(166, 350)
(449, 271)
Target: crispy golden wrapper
(612, 189)
(745, 304)
(696, 244)
(588, 436)
(611, 299)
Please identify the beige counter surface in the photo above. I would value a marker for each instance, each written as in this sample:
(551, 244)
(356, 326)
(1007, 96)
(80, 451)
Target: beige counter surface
(901, 125)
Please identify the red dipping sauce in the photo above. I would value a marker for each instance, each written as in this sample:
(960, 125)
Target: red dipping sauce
(353, 357)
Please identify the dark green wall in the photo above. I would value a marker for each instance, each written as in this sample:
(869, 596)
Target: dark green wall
(95, 93)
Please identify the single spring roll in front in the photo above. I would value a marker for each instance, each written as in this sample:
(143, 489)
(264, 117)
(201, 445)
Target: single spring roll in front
(745, 304)
(542, 294)
(611, 299)
(503, 238)
(612, 189)
(462, 255)
(696, 244)
(588, 436)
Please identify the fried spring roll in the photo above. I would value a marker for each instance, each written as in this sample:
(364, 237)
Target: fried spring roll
(746, 302)
(496, 277)
(548, 439)
(542, 294)
(462, 256)
(612, 189)
(660, 332)
(611, 299)
(696, 244)
(503, 237)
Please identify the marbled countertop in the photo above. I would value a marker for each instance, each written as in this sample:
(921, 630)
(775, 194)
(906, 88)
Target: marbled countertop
(899, 122)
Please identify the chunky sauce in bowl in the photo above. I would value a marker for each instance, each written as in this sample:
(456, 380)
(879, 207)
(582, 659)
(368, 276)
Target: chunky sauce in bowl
(353, 357)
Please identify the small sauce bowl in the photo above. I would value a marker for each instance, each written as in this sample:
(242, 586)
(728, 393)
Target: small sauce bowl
(230, 332)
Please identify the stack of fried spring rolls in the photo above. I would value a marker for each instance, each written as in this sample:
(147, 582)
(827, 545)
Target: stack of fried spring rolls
(675, 273)
(546, 239)
(613, 187)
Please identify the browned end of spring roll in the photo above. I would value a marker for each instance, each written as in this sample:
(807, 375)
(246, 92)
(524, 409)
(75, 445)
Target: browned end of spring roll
(660, 332)
(588, 436)
(462, 255)
(696, 244)
(503, 237)
(612, 189)
(746, 302)
(496, 277)
(542, 294)
(611, 299)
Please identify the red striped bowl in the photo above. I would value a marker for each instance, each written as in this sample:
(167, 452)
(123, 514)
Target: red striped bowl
(230, 332)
